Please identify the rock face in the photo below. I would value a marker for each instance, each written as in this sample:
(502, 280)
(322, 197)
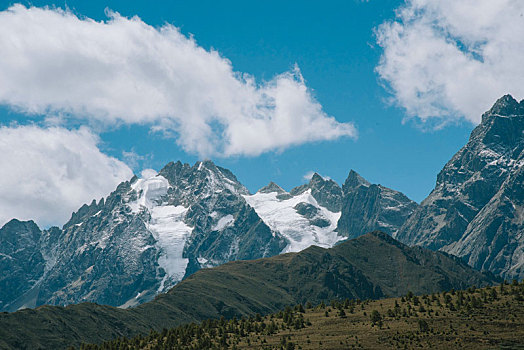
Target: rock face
(21, 263)
(368, 207)
(476, 209)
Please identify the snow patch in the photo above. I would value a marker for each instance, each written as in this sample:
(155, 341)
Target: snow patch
(224, 222)
(149, 191)
(281, 216)
(171, 233)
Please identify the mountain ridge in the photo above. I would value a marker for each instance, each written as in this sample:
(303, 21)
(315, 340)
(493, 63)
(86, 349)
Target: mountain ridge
(476, 208)
(154, 231)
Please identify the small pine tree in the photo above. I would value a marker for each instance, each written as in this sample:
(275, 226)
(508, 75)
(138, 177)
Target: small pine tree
(376, 318)
(423, 326)
(300, 308)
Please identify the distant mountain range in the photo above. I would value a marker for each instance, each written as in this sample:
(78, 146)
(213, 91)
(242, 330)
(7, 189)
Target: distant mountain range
(371, 266)
(151, 233)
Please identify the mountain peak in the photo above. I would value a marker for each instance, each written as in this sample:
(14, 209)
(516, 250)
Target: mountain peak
(15, 224)
(207, 164)
(316, 178)
(472, 211)
(173, 169)
(271, 187)
(354, 180)
(506, 106)
(501, 126)
(326, 191)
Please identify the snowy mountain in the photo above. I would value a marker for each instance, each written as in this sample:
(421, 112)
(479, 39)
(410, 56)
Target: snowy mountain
(298, 216)
(476, 210)
(139, 241)
(152, 232)
(322, 213)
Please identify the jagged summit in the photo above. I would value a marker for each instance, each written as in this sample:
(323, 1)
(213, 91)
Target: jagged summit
(367, 207)
(317, 178)
(270, 188)
(15, 223)
(190, 183)
(354, 180)
(506, 106)
(502, 126)
(326, 191)
(21, 262)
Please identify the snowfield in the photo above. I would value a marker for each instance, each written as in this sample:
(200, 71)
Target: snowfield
(281, 216)
(167, 226)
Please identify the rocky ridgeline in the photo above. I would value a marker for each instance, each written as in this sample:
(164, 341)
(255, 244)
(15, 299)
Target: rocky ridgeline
(476, 209)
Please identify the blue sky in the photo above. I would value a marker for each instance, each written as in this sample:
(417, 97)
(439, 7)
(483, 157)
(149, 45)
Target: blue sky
(401, 143)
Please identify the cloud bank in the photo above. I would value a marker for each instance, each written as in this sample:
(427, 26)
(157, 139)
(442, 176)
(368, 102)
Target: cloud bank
(125, 71)
(450, 59)
(47, 173)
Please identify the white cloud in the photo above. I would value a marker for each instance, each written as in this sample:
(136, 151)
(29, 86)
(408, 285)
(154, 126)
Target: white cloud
(148, 173)
(125, 71)
(451, 59)
(47, 173)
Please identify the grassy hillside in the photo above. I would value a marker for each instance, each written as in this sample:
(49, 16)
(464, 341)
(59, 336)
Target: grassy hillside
(472, 319)
(372, 266)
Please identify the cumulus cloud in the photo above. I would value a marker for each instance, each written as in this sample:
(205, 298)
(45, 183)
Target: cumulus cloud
(47, 173)
(125, 71)
(450, 59)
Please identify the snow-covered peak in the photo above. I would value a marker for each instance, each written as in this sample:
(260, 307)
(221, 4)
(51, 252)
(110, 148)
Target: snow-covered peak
(326, 192)
(203, 179)
(219, 179)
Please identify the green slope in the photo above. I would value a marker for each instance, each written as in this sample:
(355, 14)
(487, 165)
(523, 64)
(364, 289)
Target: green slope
(369, 267)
